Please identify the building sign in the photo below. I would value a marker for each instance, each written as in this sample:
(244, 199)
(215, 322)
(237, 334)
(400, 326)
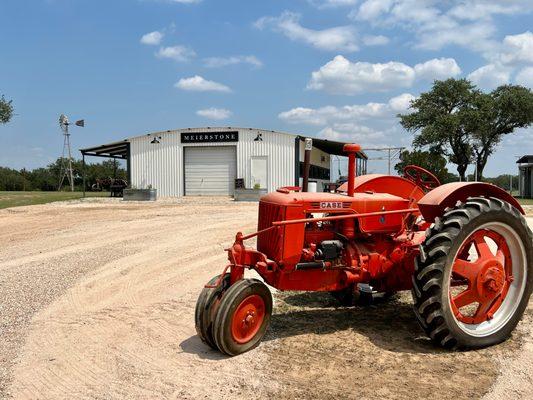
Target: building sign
(209, 137)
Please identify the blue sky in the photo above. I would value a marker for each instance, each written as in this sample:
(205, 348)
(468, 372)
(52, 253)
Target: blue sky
(339, 69)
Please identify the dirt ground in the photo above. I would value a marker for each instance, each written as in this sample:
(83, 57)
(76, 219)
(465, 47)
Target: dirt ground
(97, 302)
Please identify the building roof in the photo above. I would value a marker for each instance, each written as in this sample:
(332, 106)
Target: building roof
(525, 159)
(110, 150)
(333, 147)
(120, 149)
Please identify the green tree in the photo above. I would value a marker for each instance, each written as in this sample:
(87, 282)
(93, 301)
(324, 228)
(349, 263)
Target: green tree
(456, 119)
(494, 115)
(6, 110)
(434, 163)
(440, 120)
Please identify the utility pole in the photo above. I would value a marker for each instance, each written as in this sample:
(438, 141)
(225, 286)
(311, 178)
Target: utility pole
(392, 153)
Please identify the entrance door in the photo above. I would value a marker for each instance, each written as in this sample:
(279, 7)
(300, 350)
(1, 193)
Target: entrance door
(259, 172)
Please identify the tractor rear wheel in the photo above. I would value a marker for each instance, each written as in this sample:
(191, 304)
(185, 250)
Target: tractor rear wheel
(474, 275)
(242, 317)
(206, 308)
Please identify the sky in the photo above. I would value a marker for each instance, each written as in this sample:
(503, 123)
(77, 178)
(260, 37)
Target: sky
(335, 69)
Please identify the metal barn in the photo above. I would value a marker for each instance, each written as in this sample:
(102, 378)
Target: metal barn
(209, 160)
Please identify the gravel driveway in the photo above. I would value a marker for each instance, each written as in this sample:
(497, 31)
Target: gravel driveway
(97, 302)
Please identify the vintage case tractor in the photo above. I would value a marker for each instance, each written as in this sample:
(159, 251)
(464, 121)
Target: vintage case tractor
(463, 249)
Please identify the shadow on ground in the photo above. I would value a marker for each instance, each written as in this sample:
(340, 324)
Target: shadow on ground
(320, 314)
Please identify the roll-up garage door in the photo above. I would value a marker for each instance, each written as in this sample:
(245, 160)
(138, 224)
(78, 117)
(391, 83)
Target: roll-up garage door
(210, 171)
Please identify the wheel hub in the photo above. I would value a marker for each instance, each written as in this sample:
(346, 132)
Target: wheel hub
(493, 278)
(247, 319)
(488, 277)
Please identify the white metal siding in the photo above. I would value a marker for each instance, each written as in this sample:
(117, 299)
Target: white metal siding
(161, 165)
(210, 170)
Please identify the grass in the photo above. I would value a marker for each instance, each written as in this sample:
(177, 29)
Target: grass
(15, 199)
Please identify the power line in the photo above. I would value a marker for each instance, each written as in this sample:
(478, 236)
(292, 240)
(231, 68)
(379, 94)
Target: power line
(392, 153)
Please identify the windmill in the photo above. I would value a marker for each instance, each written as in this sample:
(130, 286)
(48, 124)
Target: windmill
(66, 158)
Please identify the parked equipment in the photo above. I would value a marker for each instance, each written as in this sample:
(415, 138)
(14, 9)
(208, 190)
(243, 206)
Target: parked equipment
(114, 185)
(463, 249)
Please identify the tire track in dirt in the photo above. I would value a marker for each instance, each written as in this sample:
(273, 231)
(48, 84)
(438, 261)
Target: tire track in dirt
(145, 227)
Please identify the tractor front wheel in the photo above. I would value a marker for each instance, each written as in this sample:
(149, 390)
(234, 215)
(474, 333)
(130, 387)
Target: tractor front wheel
(242, 317)
(474, 275)
(206, 309)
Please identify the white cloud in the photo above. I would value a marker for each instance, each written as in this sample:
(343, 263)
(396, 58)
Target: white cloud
(332, 3)
(176, 53)
(401, 103)
(476, 36)
(525, 77)
(152, 38)
(436, 24)
(340, 38)
(217, 62)
(199, 84)
(437, 68)
(341, 76)
(372, 9)
(484, 9)
(375, 40)
(349, 114)
(517, 48)
(490, 76)
(215, 113)
(352, 133)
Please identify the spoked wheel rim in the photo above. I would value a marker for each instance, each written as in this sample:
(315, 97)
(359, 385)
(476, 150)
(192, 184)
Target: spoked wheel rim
(248, 318)
(491, 263)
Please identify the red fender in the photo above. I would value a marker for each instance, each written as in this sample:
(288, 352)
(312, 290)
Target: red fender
(391, 184)
(432, 205)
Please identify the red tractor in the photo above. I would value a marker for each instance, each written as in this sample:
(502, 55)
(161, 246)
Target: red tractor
(463, 249)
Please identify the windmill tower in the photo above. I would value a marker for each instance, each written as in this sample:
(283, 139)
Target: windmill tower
(66, 157)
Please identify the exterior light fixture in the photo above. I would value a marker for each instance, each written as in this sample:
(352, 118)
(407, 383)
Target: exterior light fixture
(156, 140)
(259, 137)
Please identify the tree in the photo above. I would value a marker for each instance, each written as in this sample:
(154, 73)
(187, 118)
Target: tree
(458, 120)
(495, 115)
(440, 119)
(6, 110)
(434, 163)
(47, 178)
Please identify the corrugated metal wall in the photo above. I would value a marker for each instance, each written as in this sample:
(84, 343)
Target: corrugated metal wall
(161, 165)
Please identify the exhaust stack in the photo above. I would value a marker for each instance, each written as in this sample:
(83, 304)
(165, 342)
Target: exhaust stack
(351, 150)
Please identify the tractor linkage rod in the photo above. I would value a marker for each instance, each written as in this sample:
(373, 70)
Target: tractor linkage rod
(346, 216)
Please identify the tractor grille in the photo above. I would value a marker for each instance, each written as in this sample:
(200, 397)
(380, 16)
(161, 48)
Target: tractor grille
(270, 242)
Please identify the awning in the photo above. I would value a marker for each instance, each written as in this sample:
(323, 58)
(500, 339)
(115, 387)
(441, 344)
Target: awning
(525, 159)
(111, 150)
(333, 147)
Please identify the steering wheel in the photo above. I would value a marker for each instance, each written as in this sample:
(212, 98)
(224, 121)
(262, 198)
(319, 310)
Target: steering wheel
(421, 177)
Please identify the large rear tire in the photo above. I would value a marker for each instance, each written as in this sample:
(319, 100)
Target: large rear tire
(206, 308)
(474, 275)
(243, 317)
